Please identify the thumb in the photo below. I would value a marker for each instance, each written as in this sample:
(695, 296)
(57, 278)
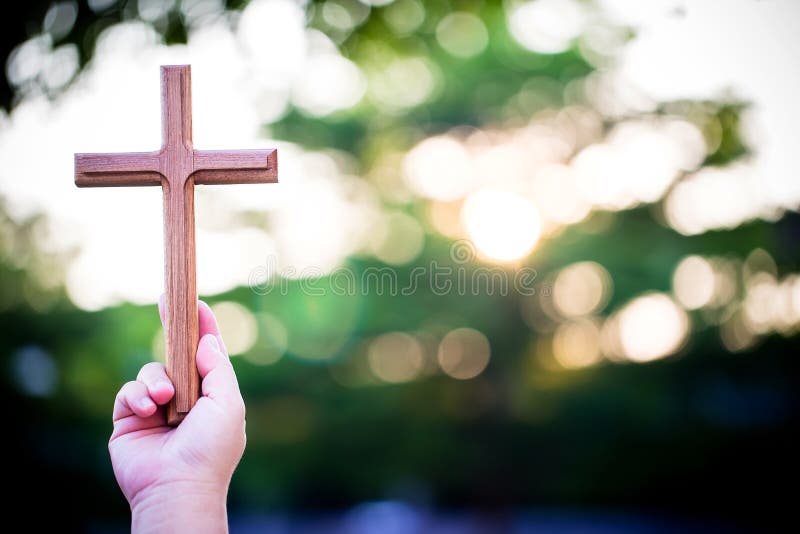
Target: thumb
(219, 378)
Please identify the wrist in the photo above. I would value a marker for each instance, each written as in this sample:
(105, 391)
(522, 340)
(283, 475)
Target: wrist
(181, 506)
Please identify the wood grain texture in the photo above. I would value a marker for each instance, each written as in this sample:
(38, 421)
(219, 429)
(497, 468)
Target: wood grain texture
(106, 170)
(179, 252)
(177, 167)
(213, 167)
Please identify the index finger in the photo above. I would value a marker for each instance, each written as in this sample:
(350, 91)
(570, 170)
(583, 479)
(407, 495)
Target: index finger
(206, 322)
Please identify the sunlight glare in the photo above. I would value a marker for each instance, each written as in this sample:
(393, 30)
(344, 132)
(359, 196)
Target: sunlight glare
(504, 226)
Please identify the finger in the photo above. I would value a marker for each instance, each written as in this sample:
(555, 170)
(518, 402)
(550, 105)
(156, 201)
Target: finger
(162, 307)
(208, 324)
(219, 378)
(133, 399)
(126, 425)
(159, 386)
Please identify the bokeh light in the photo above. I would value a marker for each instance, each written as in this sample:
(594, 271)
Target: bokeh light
(267, 25)
(625, 170)
(330, 83)
(546, 26)
(439, 168)
(713, 199)
(503, 225)
(736, 335)
(34, 371)
(464, 353)
(637, 163)
(319, 325)
(462, 34)
(395, 357)
(272, 340)
(404, 16)
(398, 239)
(581, 288)
(557, 195)
(239, 325)
(759, 262)
(446, 218)
(577, 344)
(230, 65)
(226, 259)
(153, 10)
(652, 327)
(693, 282)
(60, 18)
(403, 83)
(762, 305)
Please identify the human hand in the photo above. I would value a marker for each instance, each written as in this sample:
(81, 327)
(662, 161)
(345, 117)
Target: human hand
(176, 478)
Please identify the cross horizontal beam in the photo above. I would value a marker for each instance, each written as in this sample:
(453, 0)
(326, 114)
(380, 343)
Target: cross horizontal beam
(117, 170)
(206, 167)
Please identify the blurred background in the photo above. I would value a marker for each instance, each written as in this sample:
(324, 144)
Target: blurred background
(606, 189)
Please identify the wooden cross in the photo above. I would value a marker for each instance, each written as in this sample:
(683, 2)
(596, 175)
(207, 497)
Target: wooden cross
(177, 168)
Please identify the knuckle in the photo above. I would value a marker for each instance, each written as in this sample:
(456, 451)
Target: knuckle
(149, 369)
(123, 393)
(131, 389)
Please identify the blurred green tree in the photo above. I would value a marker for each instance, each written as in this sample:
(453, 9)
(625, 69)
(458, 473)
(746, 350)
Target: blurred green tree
(325, 428)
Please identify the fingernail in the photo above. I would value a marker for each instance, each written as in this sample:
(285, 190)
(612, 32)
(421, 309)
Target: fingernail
(211, 339)
(145, 403)
(162, 384)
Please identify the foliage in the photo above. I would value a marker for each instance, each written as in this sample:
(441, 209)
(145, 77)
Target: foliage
(660, 436)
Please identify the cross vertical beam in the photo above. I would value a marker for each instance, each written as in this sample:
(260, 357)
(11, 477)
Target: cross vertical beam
(179, 244)
(176, 106)
(177, 167)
